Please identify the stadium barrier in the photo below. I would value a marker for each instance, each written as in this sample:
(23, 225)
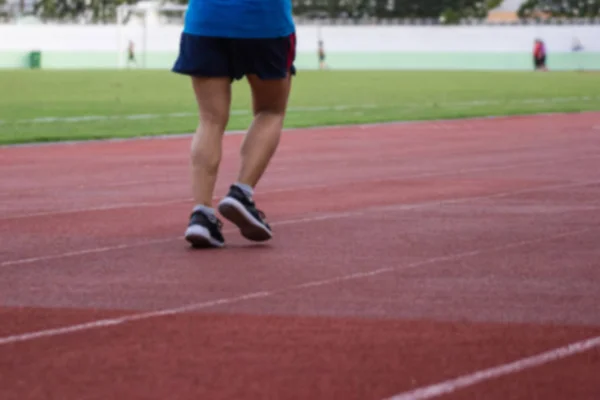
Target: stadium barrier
(476, 47)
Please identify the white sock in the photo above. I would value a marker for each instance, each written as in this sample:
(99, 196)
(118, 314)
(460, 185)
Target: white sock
(205, 209)
(247, 189)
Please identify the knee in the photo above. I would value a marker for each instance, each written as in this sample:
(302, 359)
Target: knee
(271, 107)
(206, 158)
(214, 120)
(270, 116)
(205, 151)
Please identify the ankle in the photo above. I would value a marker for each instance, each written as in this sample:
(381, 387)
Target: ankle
(247, 189)
(205, 209)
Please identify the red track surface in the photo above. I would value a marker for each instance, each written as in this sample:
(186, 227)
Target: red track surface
(404, 256)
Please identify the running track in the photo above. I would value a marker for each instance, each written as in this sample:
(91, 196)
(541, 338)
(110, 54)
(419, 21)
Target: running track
(454, 260)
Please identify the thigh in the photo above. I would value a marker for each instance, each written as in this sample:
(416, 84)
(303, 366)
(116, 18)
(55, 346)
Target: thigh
(213, 96)
(270, 95)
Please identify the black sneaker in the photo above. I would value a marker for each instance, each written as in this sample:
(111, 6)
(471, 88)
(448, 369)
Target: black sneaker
(240, 209)
(204, 230)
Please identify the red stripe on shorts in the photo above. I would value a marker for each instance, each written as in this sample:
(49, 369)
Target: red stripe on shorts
(291, 51)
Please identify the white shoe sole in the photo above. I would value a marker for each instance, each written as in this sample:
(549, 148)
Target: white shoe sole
(250, 227)
(200, 237)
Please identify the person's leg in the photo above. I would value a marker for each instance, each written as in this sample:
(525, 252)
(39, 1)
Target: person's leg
(213, 96)
(270, 93)
(269, 98)
(269, 102)
(544, 67)
(206, 61)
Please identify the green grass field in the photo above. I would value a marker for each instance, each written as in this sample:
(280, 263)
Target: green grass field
(65, 105)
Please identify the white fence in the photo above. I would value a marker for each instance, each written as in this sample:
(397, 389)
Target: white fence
(337, 38)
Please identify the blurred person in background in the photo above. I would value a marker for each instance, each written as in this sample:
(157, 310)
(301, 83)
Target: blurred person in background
(539, 55)
(321, 53)
(131, 54)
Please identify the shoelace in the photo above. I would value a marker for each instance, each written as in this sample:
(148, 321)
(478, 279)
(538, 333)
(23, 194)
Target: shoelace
(261, 214)
(253, 205)
(215, 221)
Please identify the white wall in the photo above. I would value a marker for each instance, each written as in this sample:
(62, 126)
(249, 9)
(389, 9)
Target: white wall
(450, 39)
(337, 38)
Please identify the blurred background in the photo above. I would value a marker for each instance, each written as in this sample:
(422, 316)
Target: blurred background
(88, 69)
(355, 34)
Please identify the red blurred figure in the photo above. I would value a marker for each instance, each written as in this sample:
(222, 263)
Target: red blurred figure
(539, 55)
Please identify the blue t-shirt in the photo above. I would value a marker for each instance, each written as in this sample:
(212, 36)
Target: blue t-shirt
(239, 18)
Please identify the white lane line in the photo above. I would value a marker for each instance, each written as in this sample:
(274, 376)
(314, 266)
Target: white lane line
(262, 294)
(84, 252)
(90, 118)
(307, 109)
(323, 217)
(452, 385)
(292, 189)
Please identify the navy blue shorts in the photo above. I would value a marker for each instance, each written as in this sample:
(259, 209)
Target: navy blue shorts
(205, 56)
